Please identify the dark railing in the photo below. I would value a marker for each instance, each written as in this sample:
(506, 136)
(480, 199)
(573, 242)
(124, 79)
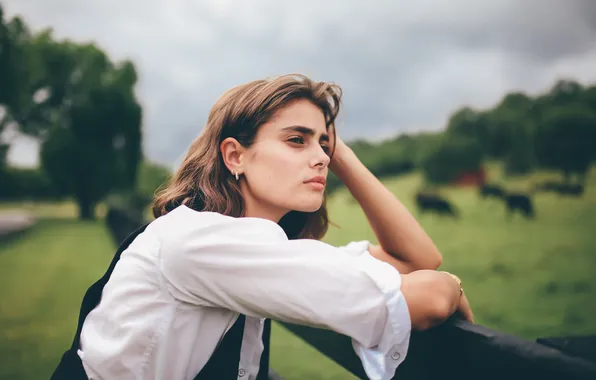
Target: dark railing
(461, 350)
(454, 350)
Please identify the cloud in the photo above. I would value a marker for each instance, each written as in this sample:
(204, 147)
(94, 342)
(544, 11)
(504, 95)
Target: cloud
(403, 66)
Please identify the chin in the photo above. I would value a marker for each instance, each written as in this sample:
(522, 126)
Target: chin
(311, 209)
(309, 206)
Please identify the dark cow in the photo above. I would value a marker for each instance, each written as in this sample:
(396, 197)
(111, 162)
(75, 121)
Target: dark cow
(561, 188)
(547, 186)
(491, 190)
(435, 203)
(521, 203)
(573, 189)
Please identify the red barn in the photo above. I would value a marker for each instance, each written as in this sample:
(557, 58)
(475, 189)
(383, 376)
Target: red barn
(470, 178)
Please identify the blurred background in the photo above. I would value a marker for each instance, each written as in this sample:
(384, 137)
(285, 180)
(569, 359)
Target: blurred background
(479, 116)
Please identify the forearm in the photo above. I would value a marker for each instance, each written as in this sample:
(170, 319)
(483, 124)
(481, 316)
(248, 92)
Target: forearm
(396, 229)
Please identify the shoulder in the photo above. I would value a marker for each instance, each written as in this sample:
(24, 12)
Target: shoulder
(185, 223)
(185, 229)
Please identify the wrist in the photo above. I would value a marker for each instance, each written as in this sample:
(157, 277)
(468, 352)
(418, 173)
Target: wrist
(457, 280)
(343, 160)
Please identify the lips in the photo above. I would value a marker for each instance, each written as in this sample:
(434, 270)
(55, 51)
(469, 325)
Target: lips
(318, 179)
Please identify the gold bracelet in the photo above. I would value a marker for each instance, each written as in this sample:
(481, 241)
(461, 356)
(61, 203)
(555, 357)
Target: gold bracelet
(461, 289)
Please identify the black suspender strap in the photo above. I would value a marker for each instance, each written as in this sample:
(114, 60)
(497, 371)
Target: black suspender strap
(71, 367)
(223, 363)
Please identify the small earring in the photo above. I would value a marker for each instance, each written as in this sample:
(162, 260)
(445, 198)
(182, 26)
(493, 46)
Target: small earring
(236, 174)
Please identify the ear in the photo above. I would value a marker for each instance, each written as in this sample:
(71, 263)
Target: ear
(232, 153)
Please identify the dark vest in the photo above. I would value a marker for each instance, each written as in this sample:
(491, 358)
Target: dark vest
(223, 363)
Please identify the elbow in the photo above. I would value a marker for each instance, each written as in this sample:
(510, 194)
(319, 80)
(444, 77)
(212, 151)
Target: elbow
(437, 260)
(432, 260)
(427, 256)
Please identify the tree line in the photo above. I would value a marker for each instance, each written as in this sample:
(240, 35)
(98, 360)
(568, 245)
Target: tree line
(553, 130)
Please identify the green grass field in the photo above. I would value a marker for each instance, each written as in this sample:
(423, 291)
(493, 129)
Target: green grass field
(41, 288)
(529, 278)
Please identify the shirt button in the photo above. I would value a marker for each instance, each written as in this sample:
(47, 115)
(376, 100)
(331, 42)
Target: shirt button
(241, 372)
(395, 355)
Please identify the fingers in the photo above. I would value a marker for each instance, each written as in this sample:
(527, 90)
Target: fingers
(465, 310)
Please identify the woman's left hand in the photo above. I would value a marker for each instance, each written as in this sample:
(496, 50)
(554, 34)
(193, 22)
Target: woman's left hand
(464, 311)
(339, 153)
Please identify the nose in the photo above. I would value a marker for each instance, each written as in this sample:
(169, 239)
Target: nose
(320, 158)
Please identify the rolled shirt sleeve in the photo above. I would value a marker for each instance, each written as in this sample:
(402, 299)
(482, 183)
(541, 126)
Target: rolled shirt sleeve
(249, 266)
(356, 248)
(380, 362)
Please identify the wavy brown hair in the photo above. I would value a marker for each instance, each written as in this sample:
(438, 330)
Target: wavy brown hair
(204, 183)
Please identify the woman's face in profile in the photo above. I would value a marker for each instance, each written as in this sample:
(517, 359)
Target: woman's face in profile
(286, 167)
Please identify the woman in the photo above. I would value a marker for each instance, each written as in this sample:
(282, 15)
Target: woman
(236, 235)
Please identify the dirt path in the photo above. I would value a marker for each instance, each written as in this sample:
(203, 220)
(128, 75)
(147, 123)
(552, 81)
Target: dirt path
(15, 221)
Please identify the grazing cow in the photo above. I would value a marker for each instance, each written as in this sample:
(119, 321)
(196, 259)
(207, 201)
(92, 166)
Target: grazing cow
(488, 190)
(561, 188)
(553, 186)
(576, 189)
(433, 202)
(521, 203)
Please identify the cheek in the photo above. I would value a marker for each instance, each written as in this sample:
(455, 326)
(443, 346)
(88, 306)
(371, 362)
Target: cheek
(278, 168)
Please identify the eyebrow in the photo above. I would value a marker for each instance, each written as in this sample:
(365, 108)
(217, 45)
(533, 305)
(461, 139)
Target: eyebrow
(305, 130)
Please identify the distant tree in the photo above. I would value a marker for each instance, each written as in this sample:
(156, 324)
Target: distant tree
(27, 183)
(151, 177)
(566, 92)
(566, 139)
(80, 105)
(13, 72)
(3, 156)
(501, 124)
(471, 124)
(589, 98)
(453, 157)
(21, 77)
(517, 102)
(14, 83)
(418, 147)
(521, 156)
(505, 122)
(92, 139)
(333, 183)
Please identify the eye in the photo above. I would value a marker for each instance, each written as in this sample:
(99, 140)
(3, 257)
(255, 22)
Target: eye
(326, 149)
(297, 140)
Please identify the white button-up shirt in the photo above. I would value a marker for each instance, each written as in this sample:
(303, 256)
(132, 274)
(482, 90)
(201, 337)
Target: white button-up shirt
(183, 282)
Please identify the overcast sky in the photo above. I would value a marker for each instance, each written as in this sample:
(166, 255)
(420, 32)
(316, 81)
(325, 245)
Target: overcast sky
(404, 66)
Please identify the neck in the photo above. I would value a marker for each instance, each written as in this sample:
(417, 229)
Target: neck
(255, 209)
